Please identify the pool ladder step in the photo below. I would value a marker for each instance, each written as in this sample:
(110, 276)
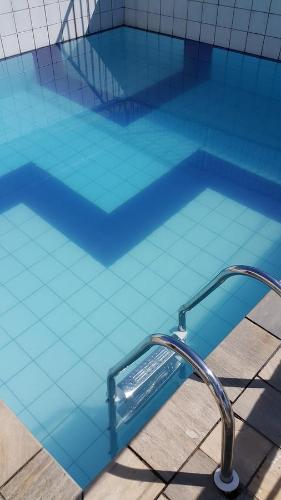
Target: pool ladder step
(140, 384)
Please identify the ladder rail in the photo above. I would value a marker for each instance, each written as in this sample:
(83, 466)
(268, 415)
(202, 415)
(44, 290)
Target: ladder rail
(228, 272)
(225, 476)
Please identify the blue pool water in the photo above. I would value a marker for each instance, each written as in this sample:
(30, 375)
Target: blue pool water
(133, 167)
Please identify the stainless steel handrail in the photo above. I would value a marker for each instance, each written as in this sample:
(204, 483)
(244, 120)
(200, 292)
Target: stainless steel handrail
(226, 273)
(225, 477)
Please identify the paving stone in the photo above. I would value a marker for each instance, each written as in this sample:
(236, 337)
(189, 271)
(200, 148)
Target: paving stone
(177, 429)
(195, 480)
(17, 445)
(266, 485)
(268, 313)
(272, 371)
(127, 478)
(260, 405)
(241, 355)
(42, 478)
(250, 449)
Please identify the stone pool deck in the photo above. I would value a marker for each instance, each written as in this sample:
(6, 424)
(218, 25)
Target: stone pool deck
(175, 455)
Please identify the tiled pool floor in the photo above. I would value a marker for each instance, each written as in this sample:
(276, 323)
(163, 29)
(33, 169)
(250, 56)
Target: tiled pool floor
(133, 168)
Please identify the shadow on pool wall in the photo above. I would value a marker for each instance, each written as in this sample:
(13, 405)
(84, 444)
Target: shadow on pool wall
(89, 74)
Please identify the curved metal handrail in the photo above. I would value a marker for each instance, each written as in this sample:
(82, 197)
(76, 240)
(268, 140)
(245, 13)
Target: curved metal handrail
(226, 273)
(225, 477)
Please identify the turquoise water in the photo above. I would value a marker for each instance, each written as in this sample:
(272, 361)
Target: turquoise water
(133, 168)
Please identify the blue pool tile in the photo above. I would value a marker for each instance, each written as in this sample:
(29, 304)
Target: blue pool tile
(149, 317)
(184, 251)
(127, 267)
(258, 245)
(236, 233)
(232, 209)
(96, 407)
(96, 457)
(233, 310)
(24, 285)
(166, 266)
(169, 298)
(207, 267)
(103, 357)
(188, 281)
(180, 224)
(33, 425)
(196, 211)
(17, 320)
(4, 338)
(19, 214)
(52, 407)
(51, 240)
(7, 300)
(82, 431)
(66, 284)
(47, 269)
(19, 360)
(215, 221)
(127, 335)
(148, 282)
(10, 267)
(61, 319)
(5, 226)
(30, 254)
(145, 252)
(106, 283)
(57, 452)
(271, 230)
(85, 300)
(87, 268)
(42, 301)
(79, 382)
(10, 399)
(35, 227)
(106, 318)
(82, 338)
(13, 240)
(251, 219)
(78, 475)
(69, 253)
(127, 300)
(29, 383)
(222, 248)
(36, 339)
(58, 359)
(163, 238)
(251, 293)
(200, 236)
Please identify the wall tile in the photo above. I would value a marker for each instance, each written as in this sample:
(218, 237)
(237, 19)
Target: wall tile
(37, 23)
(274, 26)
(271, 47)
(258, 22)
(22, 20)
(5, 6)
(7, 24)
(236, 24)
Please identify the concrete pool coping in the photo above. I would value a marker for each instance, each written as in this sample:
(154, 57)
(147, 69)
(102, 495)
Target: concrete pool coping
(174, 456)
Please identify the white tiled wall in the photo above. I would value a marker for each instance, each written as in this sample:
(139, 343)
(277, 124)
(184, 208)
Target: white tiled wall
(252, 26)
(30, 24)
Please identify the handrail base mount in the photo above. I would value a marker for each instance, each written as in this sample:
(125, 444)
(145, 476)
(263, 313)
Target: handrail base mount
(226, 487)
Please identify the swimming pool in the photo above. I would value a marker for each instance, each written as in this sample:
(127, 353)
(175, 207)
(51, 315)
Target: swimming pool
(134, 166)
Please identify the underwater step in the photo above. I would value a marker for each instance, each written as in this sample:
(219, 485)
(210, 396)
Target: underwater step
(139, 386)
